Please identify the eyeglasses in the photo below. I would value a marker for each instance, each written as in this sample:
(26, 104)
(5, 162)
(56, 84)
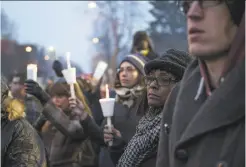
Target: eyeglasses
(128, 70)
(161, 81)
(185, 6)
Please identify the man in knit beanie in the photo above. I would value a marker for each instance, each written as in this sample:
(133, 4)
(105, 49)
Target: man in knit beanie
(203, 122)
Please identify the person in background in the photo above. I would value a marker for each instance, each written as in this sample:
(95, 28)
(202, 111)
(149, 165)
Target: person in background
(32, 106)
(68, 142)
(142, 45)
(162, 74)
(203, 123)
(131, 103)
(20, 143)
(91, 93)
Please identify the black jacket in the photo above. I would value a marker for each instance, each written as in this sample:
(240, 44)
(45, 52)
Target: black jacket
(125, 120)
(21, 145)
(209, 131)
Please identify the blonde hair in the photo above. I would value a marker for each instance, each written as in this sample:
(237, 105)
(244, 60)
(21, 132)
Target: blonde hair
(81, 97)
(14, 108)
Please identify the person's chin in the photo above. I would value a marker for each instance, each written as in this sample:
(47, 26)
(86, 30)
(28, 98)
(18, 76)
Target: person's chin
(152, 102)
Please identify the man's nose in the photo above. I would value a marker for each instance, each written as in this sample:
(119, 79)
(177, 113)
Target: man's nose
(195, 12)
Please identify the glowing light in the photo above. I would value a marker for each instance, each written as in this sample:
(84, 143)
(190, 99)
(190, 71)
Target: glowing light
(95, 40)
(28, 49)
(51, 49)
(46, 57)
(92, 5)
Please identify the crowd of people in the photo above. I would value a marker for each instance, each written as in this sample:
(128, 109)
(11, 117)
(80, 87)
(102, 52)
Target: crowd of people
(174, 110)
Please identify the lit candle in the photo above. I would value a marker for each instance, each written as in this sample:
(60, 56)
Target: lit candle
(68, 60)
(32, 71)
(107, 91)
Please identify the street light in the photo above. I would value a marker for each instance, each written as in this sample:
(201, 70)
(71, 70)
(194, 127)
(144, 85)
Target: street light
(46, 57)
(95, 40)
(28, 49)
(51, 49)
(92, 5)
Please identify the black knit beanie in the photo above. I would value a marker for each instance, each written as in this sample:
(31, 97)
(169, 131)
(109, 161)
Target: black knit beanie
(237, 8)
(137, 61)
(173, 61)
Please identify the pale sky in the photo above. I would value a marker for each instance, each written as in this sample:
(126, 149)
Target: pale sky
(61, 24)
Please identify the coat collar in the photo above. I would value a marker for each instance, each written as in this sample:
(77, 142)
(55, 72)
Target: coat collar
(224, 107)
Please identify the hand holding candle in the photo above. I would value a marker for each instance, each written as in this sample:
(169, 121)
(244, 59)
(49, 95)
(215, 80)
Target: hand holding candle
(32, 71)
(107, 105)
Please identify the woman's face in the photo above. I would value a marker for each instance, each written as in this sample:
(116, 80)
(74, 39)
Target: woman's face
(61, 102)
(128, 75)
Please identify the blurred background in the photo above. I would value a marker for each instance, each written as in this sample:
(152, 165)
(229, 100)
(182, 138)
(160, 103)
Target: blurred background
(43, 31)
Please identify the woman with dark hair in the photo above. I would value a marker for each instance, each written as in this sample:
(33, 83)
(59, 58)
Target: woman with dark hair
(67, 141)
(143, 46)
(130, 104)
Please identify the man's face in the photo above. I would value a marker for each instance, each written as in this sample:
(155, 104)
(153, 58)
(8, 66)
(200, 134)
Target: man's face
(128, 75)
(16, 88)
(159, 84)
(143, 45)
(61, 102)
(210, 28)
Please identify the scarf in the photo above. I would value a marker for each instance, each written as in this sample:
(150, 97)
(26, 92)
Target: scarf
(128, 96)
(145, 140)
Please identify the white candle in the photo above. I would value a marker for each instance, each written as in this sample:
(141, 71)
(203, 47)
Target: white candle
(32, 71)
(68, 60)
(107, 91)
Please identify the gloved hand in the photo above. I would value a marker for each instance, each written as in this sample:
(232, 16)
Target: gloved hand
(34, 89)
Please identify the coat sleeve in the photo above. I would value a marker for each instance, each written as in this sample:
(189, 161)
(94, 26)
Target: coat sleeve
(62, 122)
(26, 148)
(93, 130)
(163, 147)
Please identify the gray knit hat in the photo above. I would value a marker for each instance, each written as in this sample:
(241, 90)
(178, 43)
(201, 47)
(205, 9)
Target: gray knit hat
(172, 61)
(137, 61)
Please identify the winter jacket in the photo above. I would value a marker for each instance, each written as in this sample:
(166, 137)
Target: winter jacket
(209, 130)
(125, 120)
(21, 146)
(33, 109)
(71, 145)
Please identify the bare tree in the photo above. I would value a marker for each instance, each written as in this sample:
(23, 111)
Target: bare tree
(8, 27)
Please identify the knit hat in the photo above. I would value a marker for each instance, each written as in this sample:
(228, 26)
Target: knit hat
(236, 8)
(137, 61)
(173, 61)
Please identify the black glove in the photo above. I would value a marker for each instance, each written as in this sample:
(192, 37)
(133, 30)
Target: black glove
(34, 89)
(57, 67)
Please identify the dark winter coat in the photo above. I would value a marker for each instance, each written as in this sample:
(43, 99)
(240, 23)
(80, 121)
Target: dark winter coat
(71, 145)
(125, 120)
(33, 109)
(21, 146)
(209, 131)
